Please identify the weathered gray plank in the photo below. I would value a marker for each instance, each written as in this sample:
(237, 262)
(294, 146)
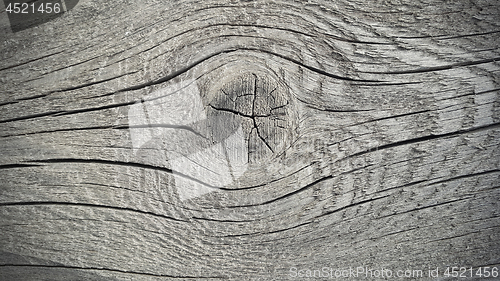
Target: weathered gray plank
(161, 140)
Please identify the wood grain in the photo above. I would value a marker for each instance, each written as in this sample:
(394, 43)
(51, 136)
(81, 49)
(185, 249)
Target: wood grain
(371, 135)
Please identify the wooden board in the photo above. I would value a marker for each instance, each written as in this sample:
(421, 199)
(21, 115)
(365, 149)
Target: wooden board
(251, 140)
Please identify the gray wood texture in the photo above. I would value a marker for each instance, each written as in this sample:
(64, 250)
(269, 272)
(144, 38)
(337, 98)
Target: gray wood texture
(237, 140)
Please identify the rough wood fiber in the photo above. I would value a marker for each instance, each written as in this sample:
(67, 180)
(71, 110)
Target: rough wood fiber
(371, 131)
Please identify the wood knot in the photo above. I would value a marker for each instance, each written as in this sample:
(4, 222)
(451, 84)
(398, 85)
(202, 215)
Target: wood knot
(259, 104)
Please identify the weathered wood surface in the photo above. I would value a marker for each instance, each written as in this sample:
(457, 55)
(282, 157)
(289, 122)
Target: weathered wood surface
(369, 129)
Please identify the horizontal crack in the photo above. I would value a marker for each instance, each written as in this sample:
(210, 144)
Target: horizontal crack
(13, 166)
(54, 203)
(435, 68)
(236, 112)
(30, 61)
(286, 195)
(351, 205)
(426, 207)
(426, 138)
(121, 163)
(112, 270)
